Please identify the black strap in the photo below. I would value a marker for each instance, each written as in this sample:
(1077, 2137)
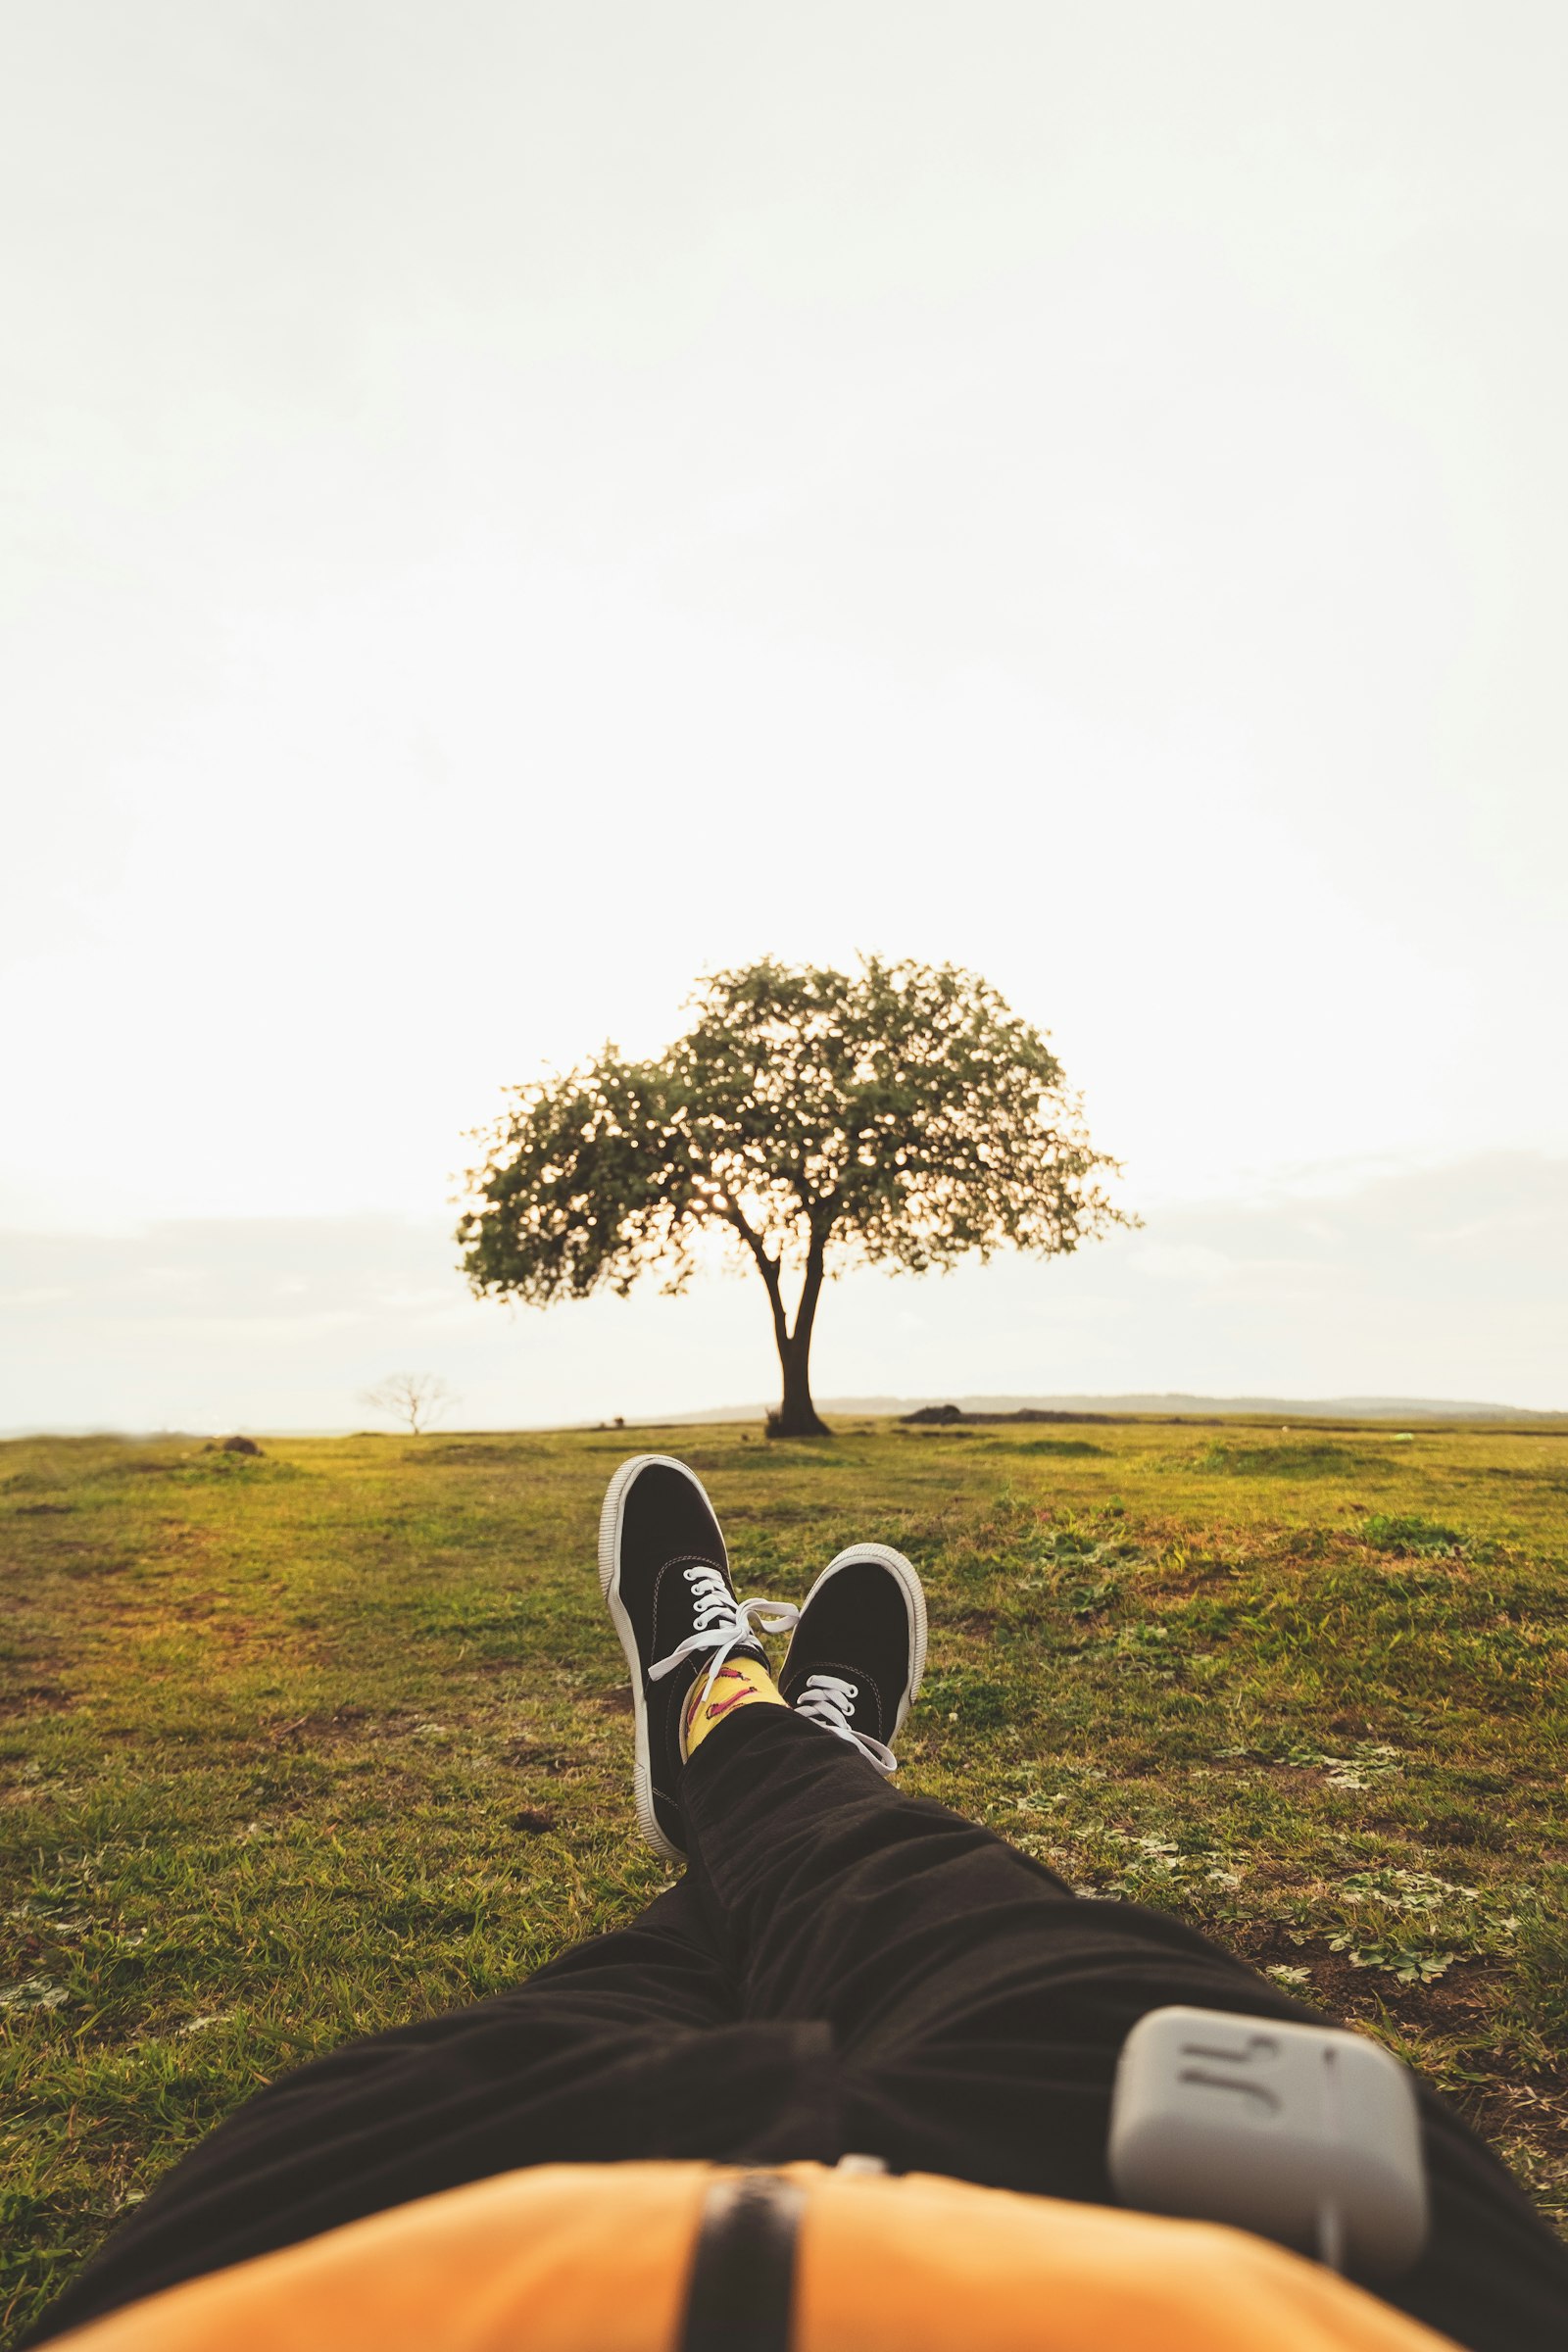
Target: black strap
(742, 2287)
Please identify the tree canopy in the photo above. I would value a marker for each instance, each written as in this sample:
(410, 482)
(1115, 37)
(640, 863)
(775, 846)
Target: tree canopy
(899, 1115)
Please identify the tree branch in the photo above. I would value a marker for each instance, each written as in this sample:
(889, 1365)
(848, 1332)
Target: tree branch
(811, 1287)
(767, 1267)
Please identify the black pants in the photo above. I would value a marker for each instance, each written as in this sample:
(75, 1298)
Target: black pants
(841, 1970)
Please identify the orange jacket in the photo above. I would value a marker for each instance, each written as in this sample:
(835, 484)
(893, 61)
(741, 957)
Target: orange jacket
(596, 2258)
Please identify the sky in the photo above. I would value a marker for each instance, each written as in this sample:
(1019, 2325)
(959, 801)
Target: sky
(504, 508)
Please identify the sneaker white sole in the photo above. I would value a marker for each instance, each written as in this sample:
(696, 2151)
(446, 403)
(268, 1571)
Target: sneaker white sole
(906, 1578)
(610, 1520)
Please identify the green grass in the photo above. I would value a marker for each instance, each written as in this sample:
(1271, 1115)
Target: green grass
(299, 1748)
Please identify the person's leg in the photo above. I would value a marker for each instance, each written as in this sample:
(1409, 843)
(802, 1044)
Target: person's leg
(979, 2005)
(628, 2046)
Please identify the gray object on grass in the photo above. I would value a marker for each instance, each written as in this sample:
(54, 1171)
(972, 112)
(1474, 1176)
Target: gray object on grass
(1302, 2134)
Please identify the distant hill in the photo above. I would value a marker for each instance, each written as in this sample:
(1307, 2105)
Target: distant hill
(1171, 1405)
(1173, 1402)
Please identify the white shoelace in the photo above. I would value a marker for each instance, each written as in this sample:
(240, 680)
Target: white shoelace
(827, 1700)
(723, 1623)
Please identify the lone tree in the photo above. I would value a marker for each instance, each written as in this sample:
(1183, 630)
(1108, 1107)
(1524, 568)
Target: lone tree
(417, 1397)
(900, 1115)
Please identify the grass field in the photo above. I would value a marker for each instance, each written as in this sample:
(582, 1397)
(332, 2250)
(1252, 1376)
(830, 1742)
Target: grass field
(302, 1746)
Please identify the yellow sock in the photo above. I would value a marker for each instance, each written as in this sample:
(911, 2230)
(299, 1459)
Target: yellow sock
(740, 1683)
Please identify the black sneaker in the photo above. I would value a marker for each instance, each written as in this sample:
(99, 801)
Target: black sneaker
(858, 1649)
(665, 1572)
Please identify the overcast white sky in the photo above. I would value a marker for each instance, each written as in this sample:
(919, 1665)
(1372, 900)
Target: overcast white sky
(504, 507)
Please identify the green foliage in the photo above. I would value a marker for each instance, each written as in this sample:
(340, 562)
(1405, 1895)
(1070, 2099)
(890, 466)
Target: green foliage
(810, 1118)
(969, 1699)
(1420, 1923)
(1370, 1760)
(1402, 1957)
(242, 1468)
(1408, 1532)
(1313, 1458)
(903, 1110)
(340, 1740)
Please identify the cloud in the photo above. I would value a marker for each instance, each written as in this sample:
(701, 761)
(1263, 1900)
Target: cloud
(1446, 1281)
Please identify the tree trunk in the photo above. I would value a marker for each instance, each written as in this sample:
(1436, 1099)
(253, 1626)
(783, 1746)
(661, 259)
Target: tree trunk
(797, 1415)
